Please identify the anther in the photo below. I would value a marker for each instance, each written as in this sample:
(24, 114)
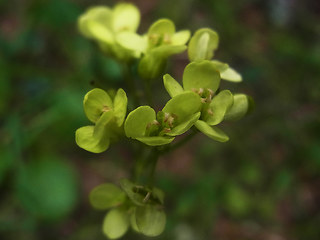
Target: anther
(210, 94)
(166, 117)
(170, 121)
(166, 130)
(147, 197)
(155, 122)
(210, 112)
(105, 109)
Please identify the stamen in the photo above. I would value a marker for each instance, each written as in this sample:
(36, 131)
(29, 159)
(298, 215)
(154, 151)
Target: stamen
(147, 197)
(210, 94)
(105, 109)
(170, 121)
(210, 112)
(155, 122)
(166, 130)
(166, 116)
(210, 91)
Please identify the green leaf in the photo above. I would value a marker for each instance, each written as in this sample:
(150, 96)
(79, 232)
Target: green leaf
(125, 17)
(47, 188)
(213, 132)
(185, 125)
(202, 74)
(120, 106)
(155, 140)
(171, 85)
(86, 140)
(183, 105)
(202, 44)
(7, 157)
(150, 220)
(181, 37)
(137, 121)
(106, 196)
(100, 15)
(116, 223)
(219, 106)
(95, 103)
(237, 200)
(242, 105)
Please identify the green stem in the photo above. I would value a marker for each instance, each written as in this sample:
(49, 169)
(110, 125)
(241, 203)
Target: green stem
(180, 143)
(131, 84)
(148, 94)
(154, 156)
(149, 159)
(140, 155)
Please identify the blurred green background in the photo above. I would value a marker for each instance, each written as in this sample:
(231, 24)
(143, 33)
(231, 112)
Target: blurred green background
(264, 184)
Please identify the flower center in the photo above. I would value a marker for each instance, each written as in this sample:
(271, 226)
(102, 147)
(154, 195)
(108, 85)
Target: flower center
(164, 124)
(159, 39)
(205, 94)
(105, 109)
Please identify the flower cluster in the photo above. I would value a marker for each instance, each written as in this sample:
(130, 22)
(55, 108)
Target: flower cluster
(107, 114)
(131, 205)
(198, 102)
(115, 32)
